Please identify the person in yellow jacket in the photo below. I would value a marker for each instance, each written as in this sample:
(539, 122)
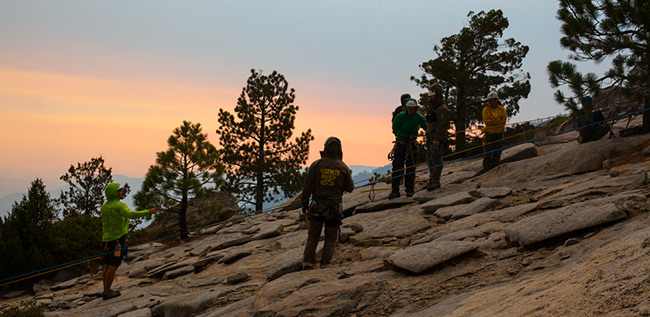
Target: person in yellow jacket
(115, 225)
(494, 117)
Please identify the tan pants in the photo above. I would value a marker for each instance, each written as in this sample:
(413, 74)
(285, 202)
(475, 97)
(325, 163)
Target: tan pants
(331, 234)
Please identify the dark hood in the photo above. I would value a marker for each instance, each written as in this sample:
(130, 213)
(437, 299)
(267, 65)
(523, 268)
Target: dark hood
(332, 149)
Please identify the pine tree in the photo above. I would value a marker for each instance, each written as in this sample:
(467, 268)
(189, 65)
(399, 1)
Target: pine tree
(185, 170)
(260, 160)
(473, 62)
(27, 233)
(85, 194)
(596, 30)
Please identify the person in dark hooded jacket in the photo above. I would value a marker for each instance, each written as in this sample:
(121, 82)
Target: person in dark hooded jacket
(325, 183)
(437, 127)
(402, 105)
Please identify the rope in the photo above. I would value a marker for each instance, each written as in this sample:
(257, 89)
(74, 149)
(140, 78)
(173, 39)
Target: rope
(54, 268)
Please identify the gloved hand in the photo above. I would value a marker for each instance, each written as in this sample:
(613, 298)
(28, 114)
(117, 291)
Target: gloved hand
(305, 207)
(153, 211)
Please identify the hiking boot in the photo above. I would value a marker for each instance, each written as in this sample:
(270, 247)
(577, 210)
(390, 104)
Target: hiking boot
(324, 266)
(393, 195)
(110, 294)
(307, 266)
(409, 193)
(432, 186)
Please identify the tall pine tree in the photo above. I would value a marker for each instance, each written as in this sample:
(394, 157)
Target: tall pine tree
(595, 30)
(27, 233)
(473, 62)
(187, 169)
(261, 162)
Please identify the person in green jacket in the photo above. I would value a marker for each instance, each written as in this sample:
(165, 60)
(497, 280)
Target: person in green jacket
(405, 127)
(115, 225)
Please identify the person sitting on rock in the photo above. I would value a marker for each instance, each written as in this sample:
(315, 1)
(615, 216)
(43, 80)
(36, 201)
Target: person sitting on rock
(326, 180)
(115, 225)
(592, 122)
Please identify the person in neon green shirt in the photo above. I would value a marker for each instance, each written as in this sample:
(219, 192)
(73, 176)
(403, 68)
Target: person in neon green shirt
(115, 225)
(494, 117)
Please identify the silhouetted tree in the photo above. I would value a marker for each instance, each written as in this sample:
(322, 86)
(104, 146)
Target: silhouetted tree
(85, 194)
(473, 62)
(184, 171)
(260, 161)
(595, 30)
(27, 233)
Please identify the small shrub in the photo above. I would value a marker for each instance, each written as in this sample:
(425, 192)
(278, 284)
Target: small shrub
(25, 309)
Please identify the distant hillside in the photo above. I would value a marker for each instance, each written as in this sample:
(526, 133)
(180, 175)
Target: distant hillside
(54, 187)
(362, 177)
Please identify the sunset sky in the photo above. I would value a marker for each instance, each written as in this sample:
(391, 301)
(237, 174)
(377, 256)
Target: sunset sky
(79, 79)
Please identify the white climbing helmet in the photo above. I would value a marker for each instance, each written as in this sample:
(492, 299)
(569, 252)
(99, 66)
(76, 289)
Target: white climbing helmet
(411, 103)
(492, 95)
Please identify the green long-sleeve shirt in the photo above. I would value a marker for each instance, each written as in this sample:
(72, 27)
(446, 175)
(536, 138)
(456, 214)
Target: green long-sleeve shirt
(116, 215)
(405, 126)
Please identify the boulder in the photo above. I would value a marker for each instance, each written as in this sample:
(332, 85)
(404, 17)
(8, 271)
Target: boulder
(203, 211)
(422, 257)
(288, 262)
(480, 205)
(493, 192)
(520, 152)
(388, 223)
(450, 200)
(41, 286)
(572, 158)
(186, 304)
(398, 225)
(317, 293)
(231, 257)
(447, 212)
(556, 222)
(172, 274)
(64, 285)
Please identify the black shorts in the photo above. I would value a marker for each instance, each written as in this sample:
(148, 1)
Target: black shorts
(113, 258)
